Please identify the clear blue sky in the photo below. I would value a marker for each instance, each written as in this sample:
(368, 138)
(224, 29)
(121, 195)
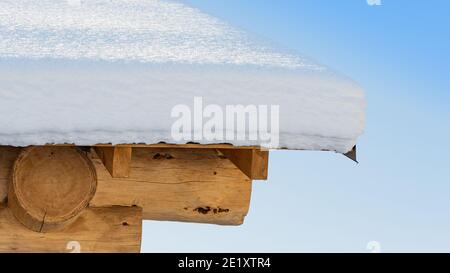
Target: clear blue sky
(399, 195)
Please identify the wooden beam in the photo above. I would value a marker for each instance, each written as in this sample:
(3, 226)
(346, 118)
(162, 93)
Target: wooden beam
(8, 156)
(170, 146)
(253, 163)
(114, 229)
(116, 159)
(50, 186)
(189, 185)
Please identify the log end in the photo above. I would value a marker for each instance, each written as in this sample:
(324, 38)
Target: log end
(50, 186)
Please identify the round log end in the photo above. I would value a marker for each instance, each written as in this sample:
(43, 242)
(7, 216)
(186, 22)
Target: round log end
(50, 186)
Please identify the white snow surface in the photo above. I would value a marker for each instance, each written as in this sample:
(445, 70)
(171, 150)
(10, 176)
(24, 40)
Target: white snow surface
(89, 72)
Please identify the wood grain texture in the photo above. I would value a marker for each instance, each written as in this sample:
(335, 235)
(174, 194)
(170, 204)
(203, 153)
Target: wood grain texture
(116, 160)
(50, 186)
(8, 156)
(191, 185)
(115, 229)
(253, 163)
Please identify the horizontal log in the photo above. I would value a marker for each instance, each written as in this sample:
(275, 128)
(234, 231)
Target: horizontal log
(191, 185)
(50, 186)
(115, 229)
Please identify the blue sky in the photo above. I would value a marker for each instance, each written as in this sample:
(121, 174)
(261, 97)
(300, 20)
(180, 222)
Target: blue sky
(399, 195)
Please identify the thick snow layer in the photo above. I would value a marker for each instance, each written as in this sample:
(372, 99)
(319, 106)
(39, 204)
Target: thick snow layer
(89, 72)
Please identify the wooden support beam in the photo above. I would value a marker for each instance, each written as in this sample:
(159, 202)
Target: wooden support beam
(116, 160)
(189, 185)
(170, 184)
(253, 163)
(114, 229)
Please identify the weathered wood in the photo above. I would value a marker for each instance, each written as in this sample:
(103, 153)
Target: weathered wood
(8, 156)
(115, 229)
(253, 163)
(50, 186)
(116, 160)
(192, 185)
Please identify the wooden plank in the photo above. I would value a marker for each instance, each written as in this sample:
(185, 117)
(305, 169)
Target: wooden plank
(253, 163)
(116, 159)
(191, 185)
(170, 146)
(115, 229)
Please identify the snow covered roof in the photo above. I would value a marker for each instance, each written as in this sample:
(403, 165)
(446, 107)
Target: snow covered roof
(90, 72)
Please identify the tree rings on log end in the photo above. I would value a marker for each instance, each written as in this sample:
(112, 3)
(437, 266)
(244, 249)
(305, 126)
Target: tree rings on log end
(50, 186)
